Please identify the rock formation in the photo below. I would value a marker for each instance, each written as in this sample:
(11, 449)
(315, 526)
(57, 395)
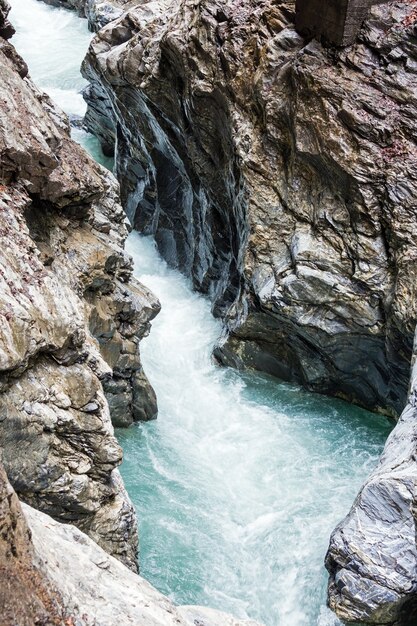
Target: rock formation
(372, 557)
(26, 596)
(40, 584)
(279, 175)
(71, 317)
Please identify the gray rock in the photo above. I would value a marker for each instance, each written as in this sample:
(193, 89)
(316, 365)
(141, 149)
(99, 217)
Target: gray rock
(71, 317)
(337, 22)
(372, 557)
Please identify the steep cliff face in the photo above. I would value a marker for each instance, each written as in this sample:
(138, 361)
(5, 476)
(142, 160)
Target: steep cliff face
(279, 175)
(70, 319)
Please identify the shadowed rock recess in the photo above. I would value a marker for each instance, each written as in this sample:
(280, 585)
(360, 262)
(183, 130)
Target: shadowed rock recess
(280, 175)
(71, 317)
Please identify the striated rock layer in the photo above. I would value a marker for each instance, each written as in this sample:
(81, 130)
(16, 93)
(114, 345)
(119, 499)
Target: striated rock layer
(372, 557)
(71, 318)
(279, 175)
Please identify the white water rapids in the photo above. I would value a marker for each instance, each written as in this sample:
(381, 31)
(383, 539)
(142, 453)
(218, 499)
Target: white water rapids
(240, 481)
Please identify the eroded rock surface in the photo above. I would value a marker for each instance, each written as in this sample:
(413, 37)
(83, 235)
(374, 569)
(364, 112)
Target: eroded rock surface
(71, 318)
(279, 175)
(372, 558)
(26, 595)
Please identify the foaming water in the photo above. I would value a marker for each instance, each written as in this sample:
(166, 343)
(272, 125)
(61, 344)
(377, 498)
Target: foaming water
(240, 481)
(53, 42)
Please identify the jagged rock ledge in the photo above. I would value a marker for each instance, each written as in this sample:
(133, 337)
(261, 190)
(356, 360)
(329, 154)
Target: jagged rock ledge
(71, 317)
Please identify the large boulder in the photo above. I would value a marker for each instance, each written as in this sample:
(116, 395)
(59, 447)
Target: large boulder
(26, 595)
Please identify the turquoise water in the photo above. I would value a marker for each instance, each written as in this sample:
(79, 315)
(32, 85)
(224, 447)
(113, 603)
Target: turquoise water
(53, 43)
(242, 478)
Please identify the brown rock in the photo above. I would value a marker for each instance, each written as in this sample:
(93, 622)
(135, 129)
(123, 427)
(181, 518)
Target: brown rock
(65, 284)
(26, 595)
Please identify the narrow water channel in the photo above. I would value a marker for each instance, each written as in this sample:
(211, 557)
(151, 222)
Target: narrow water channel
(240, 481)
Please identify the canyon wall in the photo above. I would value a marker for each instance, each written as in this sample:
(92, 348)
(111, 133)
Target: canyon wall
(279, 175)
(71, 317)
(372, 557)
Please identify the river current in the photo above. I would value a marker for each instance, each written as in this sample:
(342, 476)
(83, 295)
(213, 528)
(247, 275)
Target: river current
(240, 481)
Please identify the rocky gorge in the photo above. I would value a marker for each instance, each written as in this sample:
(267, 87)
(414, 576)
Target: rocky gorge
(224, 112)
(71, 317)
(279, 175)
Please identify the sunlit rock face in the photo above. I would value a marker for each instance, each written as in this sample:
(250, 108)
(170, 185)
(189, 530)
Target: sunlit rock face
(71, 318)
(279, 175)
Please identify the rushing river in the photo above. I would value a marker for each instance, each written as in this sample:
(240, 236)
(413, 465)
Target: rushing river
(240, 481)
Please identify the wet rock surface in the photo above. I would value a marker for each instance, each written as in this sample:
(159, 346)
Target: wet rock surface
(279, 175)
(372, 557)
(71, 318)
